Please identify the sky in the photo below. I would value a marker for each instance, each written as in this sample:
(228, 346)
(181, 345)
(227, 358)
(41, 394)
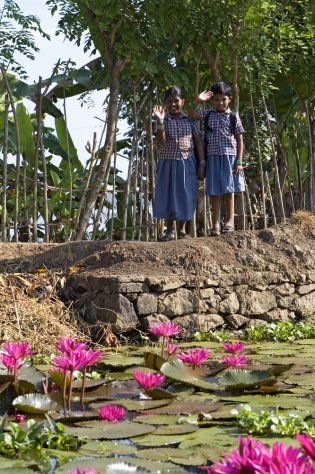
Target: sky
(82, 121)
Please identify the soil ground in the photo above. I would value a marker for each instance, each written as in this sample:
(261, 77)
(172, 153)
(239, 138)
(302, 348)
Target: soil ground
(162, 258)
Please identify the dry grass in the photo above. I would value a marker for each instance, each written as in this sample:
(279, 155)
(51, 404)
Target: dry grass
(30, 311)
(305, 216)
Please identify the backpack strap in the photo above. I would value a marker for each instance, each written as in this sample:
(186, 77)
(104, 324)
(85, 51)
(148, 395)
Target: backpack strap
(233, 121)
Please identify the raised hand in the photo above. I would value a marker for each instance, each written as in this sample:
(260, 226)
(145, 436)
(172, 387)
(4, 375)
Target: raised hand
(159, 112)
(203, 96)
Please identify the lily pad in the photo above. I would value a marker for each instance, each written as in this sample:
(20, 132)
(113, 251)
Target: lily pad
(177, 370)
(152, 440)
(158, 393)
(118, 361)
(34, 403)
(90, 384)
(106, 448)
(135, 405)
(119, 376)
(239, 379)
(32, 376)
(177, 456)
(157, 419)
(153, 360)
(186, 407)
(219, 436)
(109, 430)
(176, 429)
(114, 391)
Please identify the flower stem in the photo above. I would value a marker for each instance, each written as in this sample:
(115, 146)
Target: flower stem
(64, 389)
(70, 390)
(83, 387)
(163, 343)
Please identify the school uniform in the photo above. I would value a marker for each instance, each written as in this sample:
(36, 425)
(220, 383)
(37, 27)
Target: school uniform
(221, 153)
(176, 185)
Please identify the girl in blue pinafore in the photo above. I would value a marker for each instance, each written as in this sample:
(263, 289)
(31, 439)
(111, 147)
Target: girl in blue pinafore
(224, 133)
(176, 185)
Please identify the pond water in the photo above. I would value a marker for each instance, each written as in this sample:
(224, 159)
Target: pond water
(187, 421)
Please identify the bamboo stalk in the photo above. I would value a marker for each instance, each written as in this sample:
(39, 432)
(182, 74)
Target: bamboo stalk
(102, 198)
(99, 210)
(153, 169)
(275, 164)
(249, 204)
(271, 199)
(146, 196)
(261, 169)
(310, 159)
(18, 156)
(204, 216)
(141, 188)
(36, 158)
(131, 158)
(5, 169)
(298, 167)
(113, 193)
(136, 160)
(68, 154)
(45, 192)
(243, 211)
(27, 220)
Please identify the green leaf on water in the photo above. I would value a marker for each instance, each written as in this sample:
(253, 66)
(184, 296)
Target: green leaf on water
(157, 419)
(153, 360)
(178, 456)
(158, 393)
(180, 372)
(109, 430)
(240, 379)
(106, 448)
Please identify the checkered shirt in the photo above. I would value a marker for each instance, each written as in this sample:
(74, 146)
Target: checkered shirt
(219, 138)
(179, 137)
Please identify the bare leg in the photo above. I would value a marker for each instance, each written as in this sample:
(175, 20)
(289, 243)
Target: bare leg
(229, 202)
(216, 205)
(182, 227)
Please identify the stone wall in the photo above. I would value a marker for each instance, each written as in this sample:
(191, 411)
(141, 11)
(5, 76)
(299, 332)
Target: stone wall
(269, 282)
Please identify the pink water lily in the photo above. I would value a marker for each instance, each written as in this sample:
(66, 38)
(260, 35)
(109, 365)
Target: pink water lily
(69, 344)
(194, 356)
(251, 457)
(75, 360)
(307, 445)
(233, 347)
(17, 350)
(10, 363)
(19, 418)
(148, 380)
(236, 360)
(254, 457)
(171, 348)
(165, 329)
(91, 357)
(13, 358)
(111, 413)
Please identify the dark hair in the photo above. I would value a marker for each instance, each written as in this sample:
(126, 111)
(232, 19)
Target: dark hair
(174, 91)
(222, 88)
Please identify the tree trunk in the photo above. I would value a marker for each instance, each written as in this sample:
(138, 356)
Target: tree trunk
(97, 180)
